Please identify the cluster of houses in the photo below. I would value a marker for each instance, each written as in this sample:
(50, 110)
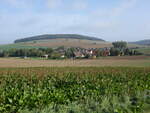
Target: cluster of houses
(83, 53)
(91, 52)
(75, 53)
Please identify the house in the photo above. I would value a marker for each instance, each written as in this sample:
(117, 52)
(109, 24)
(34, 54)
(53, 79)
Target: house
(89, 52)
(79, 54)
(61, 51)
(24, 57)
(94, 56)
(106, 52)
(45, 56)
(62, 56)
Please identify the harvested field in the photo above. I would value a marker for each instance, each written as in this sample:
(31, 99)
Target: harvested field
(131, 61)
(70, 43)
(73, 43)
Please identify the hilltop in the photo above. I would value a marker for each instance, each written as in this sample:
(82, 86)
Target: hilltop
(57, 36)
(142, 42)
(57, 40)
(66, 40)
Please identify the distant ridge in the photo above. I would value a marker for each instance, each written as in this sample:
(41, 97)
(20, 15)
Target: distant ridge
(57, 36)
(142, 42)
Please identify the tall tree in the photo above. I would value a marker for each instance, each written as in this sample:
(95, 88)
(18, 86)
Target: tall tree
(120, 44)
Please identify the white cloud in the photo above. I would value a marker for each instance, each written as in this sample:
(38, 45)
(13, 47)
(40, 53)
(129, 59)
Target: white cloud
(21, 4)
(80, 4)
(15, 2)
(109, 19)
(73, 5)
(75, 16)
(126, 4)
(54, 3)
(115, 11)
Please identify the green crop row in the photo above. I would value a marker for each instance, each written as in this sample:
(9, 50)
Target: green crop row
(18, 46)
(75, 90)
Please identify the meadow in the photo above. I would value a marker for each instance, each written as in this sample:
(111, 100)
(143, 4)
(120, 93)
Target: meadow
(145, 51)
(18, 46)
(75, 90)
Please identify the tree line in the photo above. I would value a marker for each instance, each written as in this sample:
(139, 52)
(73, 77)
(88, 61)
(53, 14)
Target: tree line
(118, 49)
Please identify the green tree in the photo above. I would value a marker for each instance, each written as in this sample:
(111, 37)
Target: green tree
(120, 44)
(127, 51)
(99, 53)
(61, 48)
(114, 52)
(70, 53)
(49, 50)
(55, 55)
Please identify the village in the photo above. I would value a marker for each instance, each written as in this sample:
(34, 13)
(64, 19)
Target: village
(80, 52)
(92, 53)
(118, 49)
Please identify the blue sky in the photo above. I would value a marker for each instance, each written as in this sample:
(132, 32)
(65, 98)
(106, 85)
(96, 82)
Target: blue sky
(110, 20)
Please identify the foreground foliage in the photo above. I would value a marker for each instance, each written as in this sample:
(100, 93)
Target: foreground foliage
(75, 90)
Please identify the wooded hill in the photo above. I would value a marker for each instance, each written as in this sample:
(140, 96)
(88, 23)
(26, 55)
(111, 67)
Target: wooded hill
(142, 42)
(57, 36)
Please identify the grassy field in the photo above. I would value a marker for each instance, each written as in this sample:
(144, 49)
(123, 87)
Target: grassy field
(128, 61)
(17, 46)
(145, 51)
(53, 43)
(75, 90)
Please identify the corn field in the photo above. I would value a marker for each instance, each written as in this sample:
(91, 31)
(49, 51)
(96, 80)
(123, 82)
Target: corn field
(75, 90)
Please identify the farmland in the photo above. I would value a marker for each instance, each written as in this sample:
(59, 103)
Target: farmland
(145, 51)
(75, 90)
(74, 56)
(128, 61)
(17, 46)
(70, 43)
(54, 43)
(36, 85)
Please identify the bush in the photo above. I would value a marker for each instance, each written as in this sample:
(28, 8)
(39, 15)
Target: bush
(114, 52)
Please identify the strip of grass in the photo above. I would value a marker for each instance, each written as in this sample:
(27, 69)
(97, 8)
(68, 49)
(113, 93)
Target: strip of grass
(145, 51)
(18, 46)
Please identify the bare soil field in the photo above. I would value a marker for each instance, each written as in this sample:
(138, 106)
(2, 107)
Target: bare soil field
(129, 61)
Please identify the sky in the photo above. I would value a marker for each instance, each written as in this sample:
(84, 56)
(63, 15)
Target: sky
(111, 20)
